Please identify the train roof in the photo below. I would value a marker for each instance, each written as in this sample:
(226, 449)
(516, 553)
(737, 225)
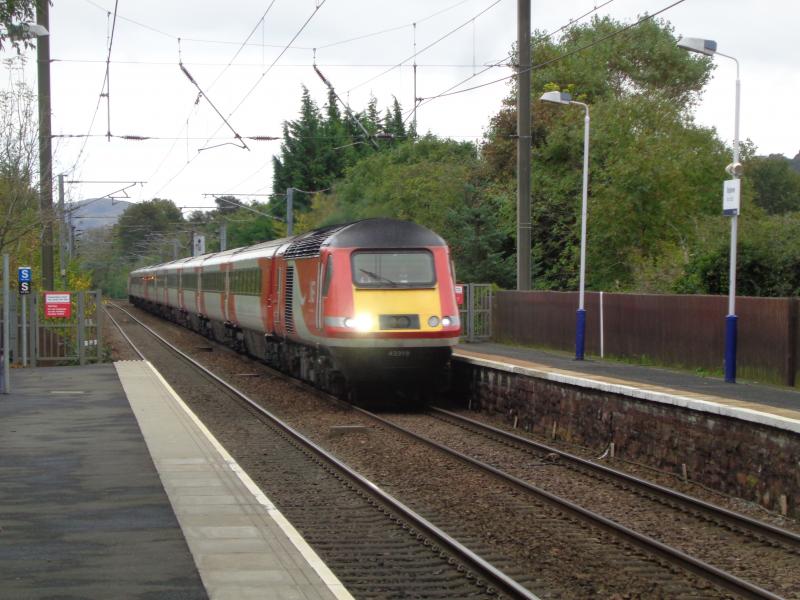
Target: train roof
(378, 233)
(384, 233)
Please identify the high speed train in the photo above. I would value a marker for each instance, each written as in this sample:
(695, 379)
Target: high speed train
(360, 303)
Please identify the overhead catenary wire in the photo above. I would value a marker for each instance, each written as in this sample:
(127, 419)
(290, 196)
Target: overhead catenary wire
(429, 46)
(500, 62)
(251, 90)
(108, 70)
(563, 56)
(94, 114)
(216, 110)
(185, 126)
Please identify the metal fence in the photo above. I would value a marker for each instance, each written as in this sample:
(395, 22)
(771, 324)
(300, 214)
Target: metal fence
(35, 339)
(476, 312)
(671, 330)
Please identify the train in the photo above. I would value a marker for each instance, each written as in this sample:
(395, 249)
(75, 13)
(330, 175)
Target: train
(344, 307)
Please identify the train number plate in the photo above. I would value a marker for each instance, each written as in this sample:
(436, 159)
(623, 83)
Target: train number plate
(399, 353)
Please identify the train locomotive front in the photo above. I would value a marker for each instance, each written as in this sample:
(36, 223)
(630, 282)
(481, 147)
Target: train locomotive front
(390, 308)
(362, 303)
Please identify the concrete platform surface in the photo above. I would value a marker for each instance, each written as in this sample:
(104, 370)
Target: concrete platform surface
(110, 487)
(243, 546)
(83, 513)
(762, 404)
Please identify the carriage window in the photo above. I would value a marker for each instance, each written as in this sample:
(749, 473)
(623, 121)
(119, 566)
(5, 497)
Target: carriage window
(393, 268)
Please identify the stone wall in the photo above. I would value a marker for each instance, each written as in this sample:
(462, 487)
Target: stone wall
(748, 460)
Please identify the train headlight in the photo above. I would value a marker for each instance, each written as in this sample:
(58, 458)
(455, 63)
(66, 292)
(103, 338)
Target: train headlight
(446, 322)
(359, 322)
(433, 321)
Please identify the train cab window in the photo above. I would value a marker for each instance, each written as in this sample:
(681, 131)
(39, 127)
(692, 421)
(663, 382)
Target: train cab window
(393, 268)
(328, 276)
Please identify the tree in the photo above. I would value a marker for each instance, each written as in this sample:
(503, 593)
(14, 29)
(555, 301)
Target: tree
(318, 147)
(13, 13)
(767, 263)
(227, 204)
(300, 165)
(654, 173)
(19, 205)
(775, 184)
(149, 228)
(246, 228)
(432, 182)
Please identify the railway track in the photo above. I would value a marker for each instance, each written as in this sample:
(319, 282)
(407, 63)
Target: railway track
(744, 555)
(377, 525)
(624, 550)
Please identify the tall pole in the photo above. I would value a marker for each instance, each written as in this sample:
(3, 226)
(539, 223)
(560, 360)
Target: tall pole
(731, 321)
(414, 120)
(580, 330)
(62, 243)
(524, 145)
(45, 149)
(6, 329)
(223, 237)
(289, 210)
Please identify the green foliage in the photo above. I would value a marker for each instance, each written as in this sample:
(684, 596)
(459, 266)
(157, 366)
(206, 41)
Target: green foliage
(20, 226)
(318, 147)
(147, 226)
(12, 14)
(776, 186)
(768, 258)
(654, 174)
(435, 183)
(246, 228)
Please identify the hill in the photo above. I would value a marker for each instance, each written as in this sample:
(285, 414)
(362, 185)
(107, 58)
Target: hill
(94, 213)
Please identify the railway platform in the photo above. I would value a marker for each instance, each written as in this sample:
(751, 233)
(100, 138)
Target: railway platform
(110, 488)
(760, 404)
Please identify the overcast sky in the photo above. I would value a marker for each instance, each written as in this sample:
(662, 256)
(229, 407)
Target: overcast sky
(151, 96)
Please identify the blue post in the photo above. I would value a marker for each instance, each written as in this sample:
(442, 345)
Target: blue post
(730, 348)
(580, 333)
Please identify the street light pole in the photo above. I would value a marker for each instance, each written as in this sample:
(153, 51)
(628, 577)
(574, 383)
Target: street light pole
(580, 317)
(709, 48)
(580, 329)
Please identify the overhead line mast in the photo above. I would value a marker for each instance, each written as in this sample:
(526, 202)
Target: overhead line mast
(523, 144)
(347, 109)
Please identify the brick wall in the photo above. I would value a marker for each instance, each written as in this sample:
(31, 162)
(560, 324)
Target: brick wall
(755, 462)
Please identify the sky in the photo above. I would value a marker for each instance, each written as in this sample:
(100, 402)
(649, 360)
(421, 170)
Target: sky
(256, 85)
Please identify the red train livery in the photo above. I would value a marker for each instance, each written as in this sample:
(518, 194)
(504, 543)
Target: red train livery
(370, 301)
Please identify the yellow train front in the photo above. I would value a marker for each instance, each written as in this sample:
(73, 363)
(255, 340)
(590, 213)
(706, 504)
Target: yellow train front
(388, 307)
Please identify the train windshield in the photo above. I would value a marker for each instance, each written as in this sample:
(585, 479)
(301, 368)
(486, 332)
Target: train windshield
(393, 268)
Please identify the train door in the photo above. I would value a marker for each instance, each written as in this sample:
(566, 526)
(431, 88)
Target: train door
(272, 296)
(324, 275)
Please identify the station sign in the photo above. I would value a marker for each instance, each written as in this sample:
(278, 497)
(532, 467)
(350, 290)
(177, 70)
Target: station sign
(24, 277)
(731, 196)
(459, 294)
(57, 305)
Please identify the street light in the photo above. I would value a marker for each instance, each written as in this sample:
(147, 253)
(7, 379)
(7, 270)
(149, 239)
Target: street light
(709, 48)
(580, 325)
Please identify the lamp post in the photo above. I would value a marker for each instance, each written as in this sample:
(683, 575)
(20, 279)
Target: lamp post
(580, 325)
(709, 48)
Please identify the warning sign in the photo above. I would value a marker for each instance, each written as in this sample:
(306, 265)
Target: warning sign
(57, 305)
